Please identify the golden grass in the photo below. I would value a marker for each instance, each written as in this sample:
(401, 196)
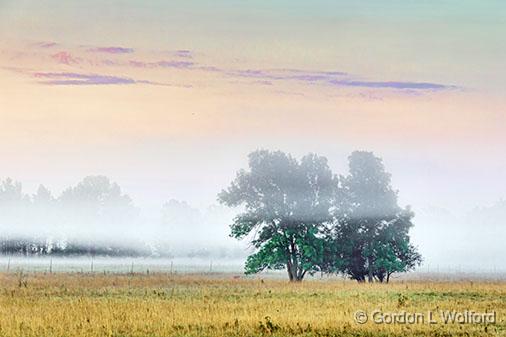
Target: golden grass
(199, 305)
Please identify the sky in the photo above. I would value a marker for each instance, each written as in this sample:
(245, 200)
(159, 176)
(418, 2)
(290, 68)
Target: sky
(168, 98)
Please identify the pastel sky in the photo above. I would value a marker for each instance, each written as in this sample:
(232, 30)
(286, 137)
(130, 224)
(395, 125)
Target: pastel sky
(167, 98)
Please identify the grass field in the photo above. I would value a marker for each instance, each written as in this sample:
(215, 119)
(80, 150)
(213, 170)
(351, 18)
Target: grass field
(220, 305)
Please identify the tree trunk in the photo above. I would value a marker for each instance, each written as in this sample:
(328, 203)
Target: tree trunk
(300, 274)
(289, 270)
(370, 277)
(293, 273)
(293, 263)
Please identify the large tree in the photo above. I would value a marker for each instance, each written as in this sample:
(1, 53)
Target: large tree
(372, 231)
(287, 206)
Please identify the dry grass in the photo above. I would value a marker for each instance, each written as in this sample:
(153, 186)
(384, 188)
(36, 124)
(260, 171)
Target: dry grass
(170, 305)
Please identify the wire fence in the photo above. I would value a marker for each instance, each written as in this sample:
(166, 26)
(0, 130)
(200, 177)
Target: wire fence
(115, 265)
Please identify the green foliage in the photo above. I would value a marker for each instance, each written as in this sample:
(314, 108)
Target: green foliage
(287, 205)
(373, 228)
(297, 216)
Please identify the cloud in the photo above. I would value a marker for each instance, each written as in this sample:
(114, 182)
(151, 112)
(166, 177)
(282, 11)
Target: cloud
(211, 69)
(49, 44)
(183, 53)
(82, 79)
(162, 64)
(175, 64)
(64, 57)
(184, 60)
(287, 75)
(301, 76)
(111, 50)
(331, 77)
(70, 78)
(137, 64)
(395, 85)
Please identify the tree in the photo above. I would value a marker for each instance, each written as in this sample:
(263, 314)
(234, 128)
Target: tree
(43, 196)
(177, 213)
(11, 192)
(45, 218)
(14, 206)
(287, 208)
(393, 251)
(98, 212)
(372, 230)
(97, 199)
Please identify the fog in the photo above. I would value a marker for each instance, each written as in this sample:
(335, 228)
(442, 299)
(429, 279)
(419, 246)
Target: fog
(95, 212)
(467, 241)
(98, 211)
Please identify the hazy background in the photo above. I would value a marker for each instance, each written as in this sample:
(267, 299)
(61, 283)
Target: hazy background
(168, 99)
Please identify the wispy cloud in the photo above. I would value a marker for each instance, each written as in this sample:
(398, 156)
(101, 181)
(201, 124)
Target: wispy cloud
(395, 85)
(286, 75)
(175, 64)
(49, 44)
(162, 64)
(111, 50)
(72, 78)
(185, 60)
(337, 78)
(184, 53)
(64, 57)
(81, 79)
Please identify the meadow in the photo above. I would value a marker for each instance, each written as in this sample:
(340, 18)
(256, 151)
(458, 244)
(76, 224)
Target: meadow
(163, 304)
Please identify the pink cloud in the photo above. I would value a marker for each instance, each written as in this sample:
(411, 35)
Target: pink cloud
(162, 64)
(111, 50)
(64, 57)
(138, 64)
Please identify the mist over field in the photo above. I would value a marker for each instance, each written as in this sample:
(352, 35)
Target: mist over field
(466, 241)
(96, 212)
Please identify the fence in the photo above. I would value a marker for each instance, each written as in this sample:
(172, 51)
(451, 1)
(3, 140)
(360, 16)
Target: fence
(118, 265)
(216, 266)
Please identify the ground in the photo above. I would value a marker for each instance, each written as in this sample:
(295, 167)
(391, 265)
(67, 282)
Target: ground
(79, 304)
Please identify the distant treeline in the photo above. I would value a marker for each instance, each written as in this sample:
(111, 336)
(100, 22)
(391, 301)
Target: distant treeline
(95, 203)
(30, 222)
(41, 247)
(34, 247)
(95, 217)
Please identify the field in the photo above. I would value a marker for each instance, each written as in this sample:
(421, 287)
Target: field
(76, 304)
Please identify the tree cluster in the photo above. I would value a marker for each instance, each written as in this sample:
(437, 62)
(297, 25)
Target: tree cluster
(38, 224)
(300, 216)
